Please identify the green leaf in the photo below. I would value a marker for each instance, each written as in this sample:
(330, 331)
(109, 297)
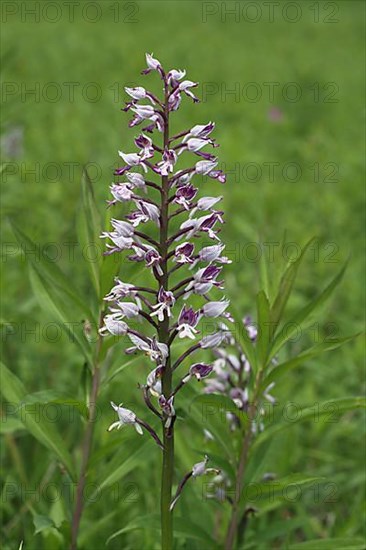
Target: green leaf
(14, 392)
(330, 544)
(285, 288)
(120, 468)
(114, 372)
(263, 489)
(316, 412)
(241, 336)
(50, 300)
(10, 425)
(298, 320)
(89, 230)
(53, 396)
(283, 368)
(50, 271)
(264, 272)
(264, 327)
(183, 528)
(152, 522)
(54, 292)
(41, 523)
(209, 412)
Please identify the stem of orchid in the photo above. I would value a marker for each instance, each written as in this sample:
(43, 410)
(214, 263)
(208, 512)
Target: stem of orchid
(86, 446)
(163, 332)
(232, 530)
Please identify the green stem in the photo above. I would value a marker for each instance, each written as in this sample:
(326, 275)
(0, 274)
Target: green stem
(86, 445)
(163, 332)
(232, 530)
(166, 492)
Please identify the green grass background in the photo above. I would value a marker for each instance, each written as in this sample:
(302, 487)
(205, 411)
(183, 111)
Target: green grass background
(221, 53)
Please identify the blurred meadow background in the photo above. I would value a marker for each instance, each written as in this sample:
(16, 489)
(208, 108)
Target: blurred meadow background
(286, 90)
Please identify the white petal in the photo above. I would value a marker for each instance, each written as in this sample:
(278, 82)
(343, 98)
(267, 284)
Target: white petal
(114, 425)
(138, 429)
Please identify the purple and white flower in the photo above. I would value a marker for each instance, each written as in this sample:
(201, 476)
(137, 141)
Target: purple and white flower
(120, 290)
(174, 76)
(204, 280)
(136, 180)
(167, 407)
(199, 371)
(187, 322)
(153, 381)
(145, 212)
(113, 325)
(199, 469)
(183, 253)
(215, 309)
(200, 131)
(127, 309)
(121, 192)
(146, 147)
(184, 195)
(165, 303)
(125, 416)
(166, 166)
(152, 63)
(204, 167)
(131, 159)
(155, 350)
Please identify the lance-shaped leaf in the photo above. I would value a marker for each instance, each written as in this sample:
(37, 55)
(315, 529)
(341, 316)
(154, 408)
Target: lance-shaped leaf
(183, 528)
(285, 287)
(262, 490)
(50, 271)
(89, 230)
(210, 411)
(46, 397)
(283, 368)
(14, 392)
(242, 337)
(303, 315)
(55, 293)
(264, 273)
(326, 409)
(121, 465)
(264, 327)
(55, 304)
